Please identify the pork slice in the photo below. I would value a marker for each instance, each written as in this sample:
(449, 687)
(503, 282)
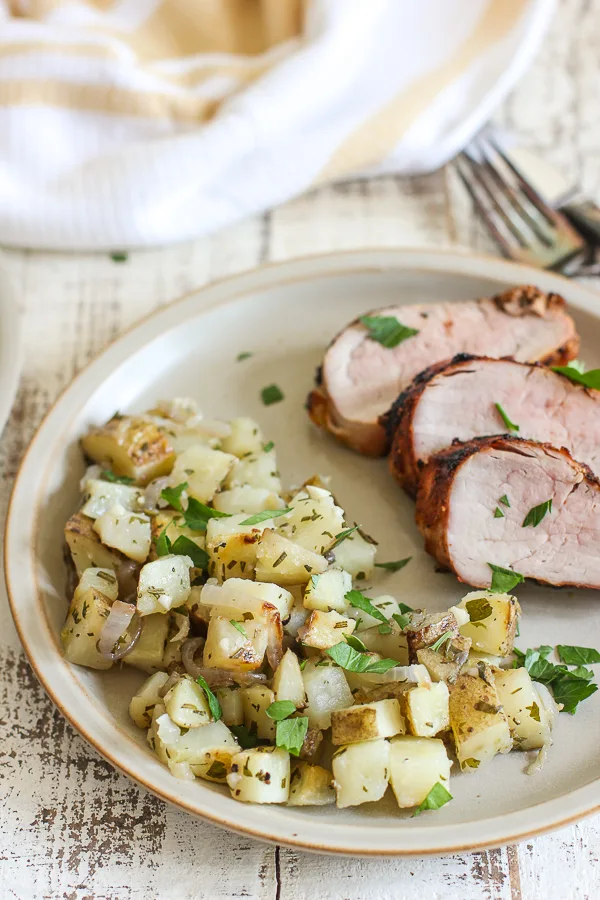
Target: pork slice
(360, 379)
(457, 400)
(462, 487)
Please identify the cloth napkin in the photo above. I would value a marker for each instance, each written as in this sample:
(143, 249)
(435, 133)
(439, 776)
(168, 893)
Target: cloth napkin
(129, 123)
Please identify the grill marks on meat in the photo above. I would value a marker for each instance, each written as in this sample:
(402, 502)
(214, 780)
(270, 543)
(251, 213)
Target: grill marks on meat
(460, 488)
(455, 401)
(360, 379)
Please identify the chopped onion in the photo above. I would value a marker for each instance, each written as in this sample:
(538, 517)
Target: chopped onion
(548, 702)
(274, 642)
(181, 770)
(116, 625)
(414, 673)
(153, 491)
(183, 625)
(94, 471)
(189, 649)
(128, 577)
(539, 761)
(212, 427)
(171, 681)
(166, 729)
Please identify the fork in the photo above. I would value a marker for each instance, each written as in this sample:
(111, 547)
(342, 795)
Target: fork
(525, 227)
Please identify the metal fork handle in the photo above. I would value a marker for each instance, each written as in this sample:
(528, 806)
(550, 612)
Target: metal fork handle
(584, 215)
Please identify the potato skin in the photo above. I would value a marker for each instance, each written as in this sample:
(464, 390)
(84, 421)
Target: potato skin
(477, 718)
(425, 630)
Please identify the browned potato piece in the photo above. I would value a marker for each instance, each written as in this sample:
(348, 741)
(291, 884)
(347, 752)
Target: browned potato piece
(312, 743)
(86, 547)
(366, 722)
(477, 718)
(424, 630)
(445, 664)
(391, 690)
(131, 446)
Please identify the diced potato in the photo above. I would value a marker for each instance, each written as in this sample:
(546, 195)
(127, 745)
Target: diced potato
(103, 495)
(244, 596)
(257, 470)
(326, 691)
(355, 554)
(494, 619)
(287, 681)
(424, 629)
(366, 722)
(85, 620)
(141, 705)
(311, 785)
(246, 437)
(479, 724)
(164, 584)
(227, 647)
(476, 656)
(204, 469)
(391, 645)
(256, 700)
(528, 718)
(315, 520)
(172, 523)
(416, 766)
(186, 704)
(260, 775)
(209, 750)
(361, 772)
(328, 591)
(427, 710)
(325, 629)
(131, 445)
(247, 499)
(311, 745)
(232, 547)
(86, 547)
(179, 409)
(232, 705)
(149, 650)
(125, 531)
(285, 562)
(386, 604)
(103, 580)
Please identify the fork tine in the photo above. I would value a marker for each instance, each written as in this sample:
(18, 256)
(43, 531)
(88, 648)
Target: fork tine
(488, 218)
(474, 170)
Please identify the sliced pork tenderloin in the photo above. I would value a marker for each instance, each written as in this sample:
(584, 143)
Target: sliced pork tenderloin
(474, 499)
(360, 378)
(457, 400)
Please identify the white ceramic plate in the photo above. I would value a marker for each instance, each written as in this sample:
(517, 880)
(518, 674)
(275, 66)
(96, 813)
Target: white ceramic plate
(10, 347)
(285, 315)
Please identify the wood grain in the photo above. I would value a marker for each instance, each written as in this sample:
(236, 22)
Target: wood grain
(72, 827)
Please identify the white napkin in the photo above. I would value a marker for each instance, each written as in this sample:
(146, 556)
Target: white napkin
(141, 122)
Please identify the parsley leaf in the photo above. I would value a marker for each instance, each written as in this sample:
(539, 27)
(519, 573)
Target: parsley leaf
(245, 738)
(537, 513)
(281, 709)
(355, 642)
(107, 475)
(503, 580)
(184, 546)
(570, 691)
(478, 609)
(394, 566)
(445, 638)
(268, 447)
(271, 394)
(589, 379)
(343, 535)
(266, 514)
(403, 619)
(244, 355)
(504, 500)
(404, 608)
(172, 495)
(498, 514)
(510, 426)
(197, 514)
(119, 256)
(359, 601)
(437, 797)
(387, 330)
(577, 656)
(163, 544)
(239, 627)
(290, 734)
(213, 704)
(350, 659)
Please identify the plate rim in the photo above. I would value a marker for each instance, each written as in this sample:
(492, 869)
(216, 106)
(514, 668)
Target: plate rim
(11, 351)
(317, 266)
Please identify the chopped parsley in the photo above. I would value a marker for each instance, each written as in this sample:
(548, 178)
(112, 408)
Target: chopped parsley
(172, 495)
(576, 374)
(268, 447)
(245, 738)
(281, 709)
(119, 256)
(266, 514)
(387, 330)
(239, 627)
(183, 546)
(343, 535)
(290, 734)
(478, 609)
(577, 656)
(537, 513)
(437, 797)
(271, 394)
(107, 475)
(504, 580)
(569, 686)
(359, 601)
(498, 514)
(444, 639)
(394, 566)
(244, 355)
(355, 642)
(510, 426)
(213, 704)
(504, 500)
(353, 661)
(197, 514)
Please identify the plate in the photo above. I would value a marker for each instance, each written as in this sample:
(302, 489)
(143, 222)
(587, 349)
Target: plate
(285, 315)
(10, 347)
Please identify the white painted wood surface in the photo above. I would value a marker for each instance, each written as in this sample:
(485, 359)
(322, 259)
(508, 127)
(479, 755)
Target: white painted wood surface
(70, 826)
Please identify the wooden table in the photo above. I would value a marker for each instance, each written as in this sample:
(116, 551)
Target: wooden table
(70, 826)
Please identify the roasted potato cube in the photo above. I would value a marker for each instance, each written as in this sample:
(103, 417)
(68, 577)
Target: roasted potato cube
(325, 629)
(287, 681)
(232, 705)
(204, 469)
(141, 705)
(478, 721)
(311, 785)
(285, 562)
(164, 584)
(148, 652)
(240, 648)
(315, 520)
(242, 596)
(125, 531)
(391, 645)
(416, 766)
(103, 495)
(528, 719)
(131, 446)
(186, 704)
(494, 619)
(87, 550)
(103, 580)
(209, 751)
(260, 775)
(247, 499)
(356, 555)
(445, 664)
(85, 620)
(366, 722)
(233, 547)
(361, 772)
(256, 701)
(311, 745)
(425, 629)
(326, 691)
(257, 470)
(328, 591)
(426, 709)
(245, 438)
